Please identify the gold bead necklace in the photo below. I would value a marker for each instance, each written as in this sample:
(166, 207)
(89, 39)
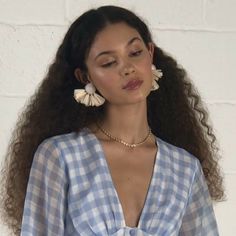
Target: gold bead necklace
(131, 145)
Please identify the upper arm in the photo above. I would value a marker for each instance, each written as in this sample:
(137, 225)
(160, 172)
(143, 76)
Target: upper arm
(45, 202)
(199, 218)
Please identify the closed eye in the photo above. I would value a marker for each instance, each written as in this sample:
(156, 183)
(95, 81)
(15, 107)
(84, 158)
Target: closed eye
(108, 64)
(137, 53)
(133, 54)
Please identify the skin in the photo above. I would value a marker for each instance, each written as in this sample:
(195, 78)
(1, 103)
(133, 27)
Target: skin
(126, 118)
(129, 58)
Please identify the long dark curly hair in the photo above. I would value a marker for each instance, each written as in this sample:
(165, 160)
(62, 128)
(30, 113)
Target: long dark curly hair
(176, 112)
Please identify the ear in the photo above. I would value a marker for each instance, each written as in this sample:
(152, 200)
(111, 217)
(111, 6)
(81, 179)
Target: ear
(151, 47)
(80, 76)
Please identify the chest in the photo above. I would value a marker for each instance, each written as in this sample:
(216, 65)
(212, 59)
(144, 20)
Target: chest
(131, 173)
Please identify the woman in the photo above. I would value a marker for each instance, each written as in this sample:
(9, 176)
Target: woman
(112, 142)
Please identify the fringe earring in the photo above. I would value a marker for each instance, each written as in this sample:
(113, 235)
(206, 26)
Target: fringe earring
(157, 74)
(88, 97)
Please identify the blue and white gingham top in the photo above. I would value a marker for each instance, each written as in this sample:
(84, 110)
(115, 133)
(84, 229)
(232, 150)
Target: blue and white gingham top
(70, 192)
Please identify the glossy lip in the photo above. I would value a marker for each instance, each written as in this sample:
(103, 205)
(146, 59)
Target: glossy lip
(133, 84)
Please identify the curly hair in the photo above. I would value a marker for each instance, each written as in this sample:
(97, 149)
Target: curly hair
(176, 112)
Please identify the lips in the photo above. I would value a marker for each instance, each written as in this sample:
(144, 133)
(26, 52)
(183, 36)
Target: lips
(133, 84)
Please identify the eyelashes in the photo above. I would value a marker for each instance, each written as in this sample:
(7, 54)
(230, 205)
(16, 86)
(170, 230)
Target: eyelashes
(108, 64)
(133, 54)
(137, 53)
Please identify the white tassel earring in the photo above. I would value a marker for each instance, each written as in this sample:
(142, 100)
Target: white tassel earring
(88, 97)
(157, 74)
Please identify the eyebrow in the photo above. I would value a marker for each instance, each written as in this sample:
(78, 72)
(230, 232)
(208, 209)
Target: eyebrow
(110, 51)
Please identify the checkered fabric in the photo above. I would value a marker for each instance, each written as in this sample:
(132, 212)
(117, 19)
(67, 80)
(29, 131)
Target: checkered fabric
(70, 192)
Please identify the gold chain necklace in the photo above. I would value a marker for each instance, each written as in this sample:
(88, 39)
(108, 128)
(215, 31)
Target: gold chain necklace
(133, 145)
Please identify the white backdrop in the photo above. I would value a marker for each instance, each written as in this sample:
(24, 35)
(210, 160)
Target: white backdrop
(200, 34)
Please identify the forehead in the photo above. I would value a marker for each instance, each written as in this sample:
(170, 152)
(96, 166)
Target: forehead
(112, 36)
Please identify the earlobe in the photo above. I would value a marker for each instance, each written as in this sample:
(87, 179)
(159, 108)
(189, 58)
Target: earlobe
(79, 75)
(151, 49)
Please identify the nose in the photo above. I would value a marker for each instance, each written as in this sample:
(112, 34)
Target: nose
(127, 70)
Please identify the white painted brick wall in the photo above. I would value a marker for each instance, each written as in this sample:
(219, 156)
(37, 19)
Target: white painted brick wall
(201, 35)
(35, 12)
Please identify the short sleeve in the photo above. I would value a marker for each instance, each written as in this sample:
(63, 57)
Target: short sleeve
(45, 201)
(199, 218)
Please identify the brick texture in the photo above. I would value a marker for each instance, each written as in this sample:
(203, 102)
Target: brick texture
(201, 35)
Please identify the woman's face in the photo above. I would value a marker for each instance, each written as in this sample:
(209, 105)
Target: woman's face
(117, 57)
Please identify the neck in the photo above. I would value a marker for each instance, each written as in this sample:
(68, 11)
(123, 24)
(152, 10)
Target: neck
(128, 123)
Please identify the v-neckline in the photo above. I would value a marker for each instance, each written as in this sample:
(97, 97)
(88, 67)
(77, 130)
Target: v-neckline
(109, 176)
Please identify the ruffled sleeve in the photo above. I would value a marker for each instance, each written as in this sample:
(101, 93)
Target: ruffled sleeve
(199, 218)
(45, 202)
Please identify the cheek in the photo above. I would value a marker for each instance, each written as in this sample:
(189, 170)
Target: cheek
(145, 63)
(103, 81)
(146, 68)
